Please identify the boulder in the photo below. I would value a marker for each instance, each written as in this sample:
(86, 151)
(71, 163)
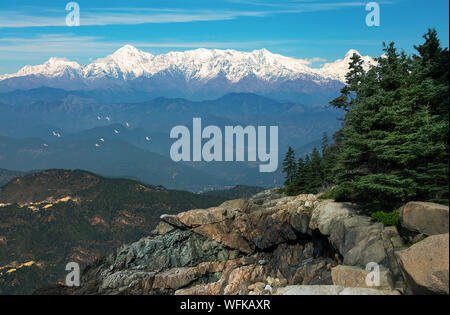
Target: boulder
(425, 217)
(355, 277)
(425, 265)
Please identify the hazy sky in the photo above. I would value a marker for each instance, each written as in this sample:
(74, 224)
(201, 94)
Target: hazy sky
(320, 31)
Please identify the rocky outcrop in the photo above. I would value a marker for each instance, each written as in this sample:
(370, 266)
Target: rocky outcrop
(256, 246)
(426, 265)
(425, 217)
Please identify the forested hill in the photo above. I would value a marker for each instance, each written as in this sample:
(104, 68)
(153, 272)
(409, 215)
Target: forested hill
(50, 218)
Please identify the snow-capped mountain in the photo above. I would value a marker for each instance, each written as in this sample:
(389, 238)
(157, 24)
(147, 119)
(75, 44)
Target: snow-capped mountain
(338, 69)
(194, 73)
(129, 63)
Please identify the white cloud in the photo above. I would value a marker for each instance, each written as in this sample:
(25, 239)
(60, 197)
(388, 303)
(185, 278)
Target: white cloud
(61, 43)
(125, 16)
(134, 16)
(315, 59)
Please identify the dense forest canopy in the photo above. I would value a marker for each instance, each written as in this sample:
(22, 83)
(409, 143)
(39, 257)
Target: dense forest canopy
(393, 144)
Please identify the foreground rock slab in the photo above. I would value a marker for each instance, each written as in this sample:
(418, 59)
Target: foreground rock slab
(331, 290)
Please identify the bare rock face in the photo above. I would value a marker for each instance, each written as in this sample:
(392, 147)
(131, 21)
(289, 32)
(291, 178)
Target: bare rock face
(254, 246)
(425, 218)
(221, 250)
(426, 265)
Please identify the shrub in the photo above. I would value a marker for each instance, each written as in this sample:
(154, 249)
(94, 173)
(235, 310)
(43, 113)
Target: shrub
(387, 218)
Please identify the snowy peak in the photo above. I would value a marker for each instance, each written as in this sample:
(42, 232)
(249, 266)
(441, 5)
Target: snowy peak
(127, 50)
(128, 63)
(54, 67)
(125, 63)
(128, 54)
(351, 52)
(338, 69)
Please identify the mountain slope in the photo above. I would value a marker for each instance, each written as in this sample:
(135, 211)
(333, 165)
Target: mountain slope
(60, 216)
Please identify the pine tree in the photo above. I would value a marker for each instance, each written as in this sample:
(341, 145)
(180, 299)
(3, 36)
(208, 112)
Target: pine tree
(300, 179)
(327, 161)
(307, 175)
(325, 142)
(289, 168)
(353, 81)
(316, 171)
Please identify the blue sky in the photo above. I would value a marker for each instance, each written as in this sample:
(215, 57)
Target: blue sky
(320, 30)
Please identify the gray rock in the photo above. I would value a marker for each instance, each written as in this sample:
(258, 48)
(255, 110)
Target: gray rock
(359, 240)
(327, 214)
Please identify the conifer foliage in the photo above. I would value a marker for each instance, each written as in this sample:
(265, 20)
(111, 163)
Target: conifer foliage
(393, 144)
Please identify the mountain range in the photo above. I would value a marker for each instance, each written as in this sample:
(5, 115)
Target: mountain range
(197, 75)
(52, 128)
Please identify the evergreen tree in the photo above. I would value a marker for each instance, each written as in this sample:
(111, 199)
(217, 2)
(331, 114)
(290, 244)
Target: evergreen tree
(289, 167)
(316, 180)
(353, 81)
(327, 161)
(308, 176)
(325, 142)
(300, 179)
